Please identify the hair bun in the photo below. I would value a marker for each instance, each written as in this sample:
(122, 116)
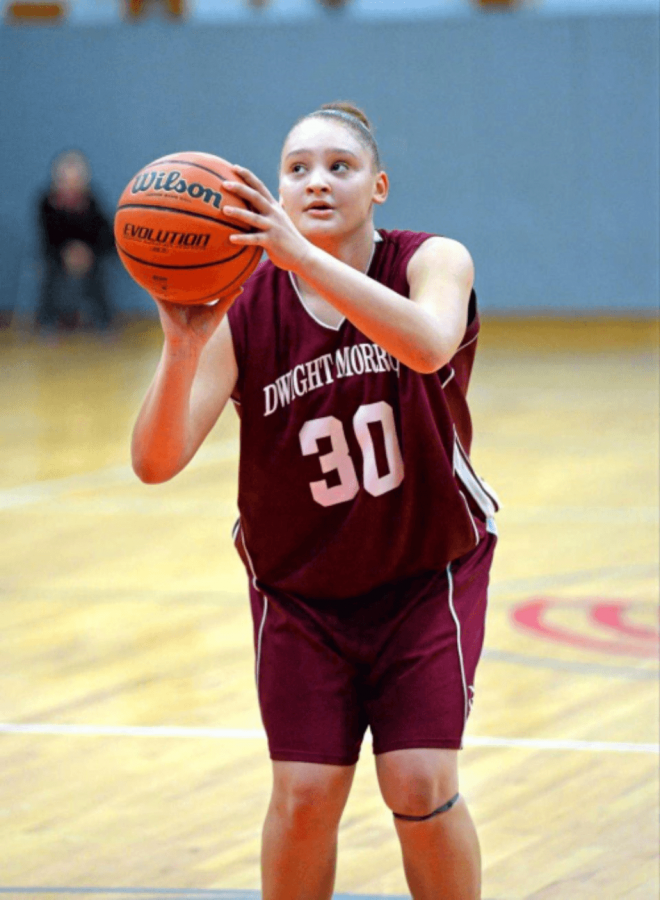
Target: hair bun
(351, 117)
(350, 109)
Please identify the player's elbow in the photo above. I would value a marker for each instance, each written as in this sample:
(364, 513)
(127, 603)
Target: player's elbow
(152, 470)
(436, 341)
(429, 364)
(149, 474)
(148, 477)
(429, 358)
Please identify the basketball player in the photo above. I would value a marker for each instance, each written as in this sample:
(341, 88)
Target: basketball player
(367, 536)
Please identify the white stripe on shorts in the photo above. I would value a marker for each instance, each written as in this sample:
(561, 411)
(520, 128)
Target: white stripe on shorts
(257, 666)
(459, 646)
(261, 631)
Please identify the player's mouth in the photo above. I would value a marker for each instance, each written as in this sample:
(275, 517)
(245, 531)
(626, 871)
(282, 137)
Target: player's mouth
(319, 209)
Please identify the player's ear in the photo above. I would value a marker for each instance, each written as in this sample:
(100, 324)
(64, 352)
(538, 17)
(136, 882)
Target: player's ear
(381, 188)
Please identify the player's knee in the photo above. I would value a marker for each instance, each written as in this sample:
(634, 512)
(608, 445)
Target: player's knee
(417, 797)
(415, 784)
(306, 804)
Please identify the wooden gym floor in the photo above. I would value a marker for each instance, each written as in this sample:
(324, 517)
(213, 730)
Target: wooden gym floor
(132, 763)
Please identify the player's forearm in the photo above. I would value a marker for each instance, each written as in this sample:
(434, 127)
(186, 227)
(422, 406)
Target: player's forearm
(160, 446)
(401, 327)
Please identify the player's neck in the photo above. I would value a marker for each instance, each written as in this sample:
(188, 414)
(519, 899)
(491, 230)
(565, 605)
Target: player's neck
(356, 250)
(358, 255)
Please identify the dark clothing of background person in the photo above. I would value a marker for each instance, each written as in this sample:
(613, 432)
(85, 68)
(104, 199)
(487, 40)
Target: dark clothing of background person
(64, 224)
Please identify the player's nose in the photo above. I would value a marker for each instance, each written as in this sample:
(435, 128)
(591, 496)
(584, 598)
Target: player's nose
(317, 181)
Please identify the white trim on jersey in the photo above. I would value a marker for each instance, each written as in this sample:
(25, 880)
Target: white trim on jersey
(469, 512)
(294, 284)
(377, 240)
(447, 380)
(247, 553)
(459, 647)
(482, 493)
(467, 343)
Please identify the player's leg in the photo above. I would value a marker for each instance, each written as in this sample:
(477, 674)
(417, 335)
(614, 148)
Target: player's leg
(299, 850)
(420, 693)
(315, 724)
(439, 842)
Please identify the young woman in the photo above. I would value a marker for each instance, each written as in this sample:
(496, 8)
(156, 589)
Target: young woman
(367, 536)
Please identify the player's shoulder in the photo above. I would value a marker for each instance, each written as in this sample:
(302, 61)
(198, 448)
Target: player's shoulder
(443, 253)
(403, 238)
(431, 241)
(396, 247)
(421, 252)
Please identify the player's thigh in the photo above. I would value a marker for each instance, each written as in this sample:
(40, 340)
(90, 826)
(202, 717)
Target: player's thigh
(420, 690)
(416, 781)
(306, 686)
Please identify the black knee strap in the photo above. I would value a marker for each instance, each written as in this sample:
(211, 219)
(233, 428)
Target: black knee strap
(436, 812)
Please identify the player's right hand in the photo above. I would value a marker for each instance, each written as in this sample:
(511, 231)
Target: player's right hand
(188, 328)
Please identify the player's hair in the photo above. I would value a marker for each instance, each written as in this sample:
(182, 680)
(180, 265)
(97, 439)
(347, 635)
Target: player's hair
(354, 119)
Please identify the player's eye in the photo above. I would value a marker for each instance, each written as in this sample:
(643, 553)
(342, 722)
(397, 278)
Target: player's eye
(297, 168)
(339, 166)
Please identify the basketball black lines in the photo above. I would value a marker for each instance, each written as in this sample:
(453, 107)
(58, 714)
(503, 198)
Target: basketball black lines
(184, 212)
(155, 265)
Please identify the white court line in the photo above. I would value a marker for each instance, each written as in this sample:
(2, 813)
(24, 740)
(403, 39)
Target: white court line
(52, 489)
(249, 734)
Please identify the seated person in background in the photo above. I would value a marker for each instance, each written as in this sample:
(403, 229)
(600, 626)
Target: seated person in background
(75, 234)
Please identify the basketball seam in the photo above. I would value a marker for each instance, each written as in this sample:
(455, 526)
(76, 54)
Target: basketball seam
(227, 288)
(184, 212)
(155, 265)
(238, 278)
(183, 162)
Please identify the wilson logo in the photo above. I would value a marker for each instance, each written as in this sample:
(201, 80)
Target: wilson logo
(164, 236)
(173, 183)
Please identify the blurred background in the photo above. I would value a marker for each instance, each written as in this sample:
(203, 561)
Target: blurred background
(132, 759)
(526, 129)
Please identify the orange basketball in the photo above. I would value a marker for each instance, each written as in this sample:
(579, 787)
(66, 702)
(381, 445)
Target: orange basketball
(171, 235)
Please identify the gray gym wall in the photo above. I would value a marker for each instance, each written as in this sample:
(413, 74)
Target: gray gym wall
(532, 139)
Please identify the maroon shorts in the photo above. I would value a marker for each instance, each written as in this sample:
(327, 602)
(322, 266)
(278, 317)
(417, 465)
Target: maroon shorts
(400, 660)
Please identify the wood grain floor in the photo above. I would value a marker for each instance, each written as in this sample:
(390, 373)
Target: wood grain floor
(131, 754)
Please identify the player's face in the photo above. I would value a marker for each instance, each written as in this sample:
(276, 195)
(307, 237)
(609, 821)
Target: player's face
(328, 183)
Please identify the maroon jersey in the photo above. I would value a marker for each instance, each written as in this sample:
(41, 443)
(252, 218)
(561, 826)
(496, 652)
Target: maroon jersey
(354, 469)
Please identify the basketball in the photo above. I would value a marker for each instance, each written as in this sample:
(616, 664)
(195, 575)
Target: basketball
(171, 235)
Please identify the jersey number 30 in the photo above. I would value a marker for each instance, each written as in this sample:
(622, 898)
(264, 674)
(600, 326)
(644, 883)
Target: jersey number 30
(339, 459)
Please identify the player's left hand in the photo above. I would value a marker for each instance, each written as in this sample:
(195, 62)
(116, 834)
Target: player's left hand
(275, 231)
